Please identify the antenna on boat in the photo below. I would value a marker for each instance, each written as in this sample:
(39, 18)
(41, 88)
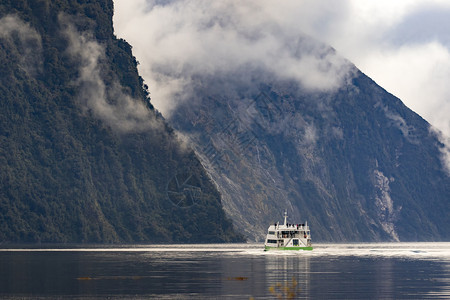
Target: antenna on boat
(285, 217)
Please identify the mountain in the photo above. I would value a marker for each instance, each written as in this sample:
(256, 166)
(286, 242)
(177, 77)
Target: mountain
(84, 156)
(353, 161)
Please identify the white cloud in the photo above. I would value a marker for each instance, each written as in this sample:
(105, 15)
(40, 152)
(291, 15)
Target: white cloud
(188, 37)
(25, 39)
(400, 44)
(115, 108)
(404, 45)
(444, 148)
(419, 74)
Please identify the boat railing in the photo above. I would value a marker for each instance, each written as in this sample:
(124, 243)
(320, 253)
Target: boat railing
(296, 226)
(288, 241)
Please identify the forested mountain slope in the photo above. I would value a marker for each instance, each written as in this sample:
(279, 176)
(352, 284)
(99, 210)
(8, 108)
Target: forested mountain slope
(84, 157)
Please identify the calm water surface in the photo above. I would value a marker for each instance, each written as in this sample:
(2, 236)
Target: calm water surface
(233, 271)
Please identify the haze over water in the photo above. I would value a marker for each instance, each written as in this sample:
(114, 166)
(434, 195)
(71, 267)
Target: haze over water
(230, 271)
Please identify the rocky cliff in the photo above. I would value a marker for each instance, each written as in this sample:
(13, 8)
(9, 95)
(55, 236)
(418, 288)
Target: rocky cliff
(353, 161)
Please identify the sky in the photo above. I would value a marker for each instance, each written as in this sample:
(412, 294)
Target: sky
(404, 45)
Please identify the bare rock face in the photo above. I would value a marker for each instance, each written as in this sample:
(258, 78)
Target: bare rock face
(353, 161)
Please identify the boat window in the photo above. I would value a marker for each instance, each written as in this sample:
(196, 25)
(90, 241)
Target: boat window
(295, 242)
(271, 232)
(272, 241)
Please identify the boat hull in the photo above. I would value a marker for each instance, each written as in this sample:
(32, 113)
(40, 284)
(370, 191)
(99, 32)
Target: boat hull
(267, 248)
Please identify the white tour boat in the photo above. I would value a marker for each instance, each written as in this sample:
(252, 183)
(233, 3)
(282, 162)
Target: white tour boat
(288, 236)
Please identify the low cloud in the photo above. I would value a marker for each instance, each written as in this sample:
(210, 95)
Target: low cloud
(25, 40)
(185, 38)
(397, 121)
(419, 76)
(444, 148)
(118, 110)
(403, 45)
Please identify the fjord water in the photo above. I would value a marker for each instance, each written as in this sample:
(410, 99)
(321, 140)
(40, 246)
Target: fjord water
(231, 271)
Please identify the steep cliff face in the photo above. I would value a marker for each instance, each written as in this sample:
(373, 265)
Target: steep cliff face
(84, 157)
(354, 161)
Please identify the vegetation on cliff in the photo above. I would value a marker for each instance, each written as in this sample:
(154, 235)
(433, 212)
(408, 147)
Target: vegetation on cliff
(84, 157)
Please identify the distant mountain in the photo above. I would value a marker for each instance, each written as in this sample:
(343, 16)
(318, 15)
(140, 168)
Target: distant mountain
(84, 157)
(354, 162)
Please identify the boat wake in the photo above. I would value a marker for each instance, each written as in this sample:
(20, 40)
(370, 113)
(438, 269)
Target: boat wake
(426, 251)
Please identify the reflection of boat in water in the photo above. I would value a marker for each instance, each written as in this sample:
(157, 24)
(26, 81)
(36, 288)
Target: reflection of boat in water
(288, 236)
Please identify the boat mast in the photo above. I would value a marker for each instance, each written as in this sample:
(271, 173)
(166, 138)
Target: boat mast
(285, 217)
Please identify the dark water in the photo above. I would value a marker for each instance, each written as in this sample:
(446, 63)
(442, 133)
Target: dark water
(366, 271)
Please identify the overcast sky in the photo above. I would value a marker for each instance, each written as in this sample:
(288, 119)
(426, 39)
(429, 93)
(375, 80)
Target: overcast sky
(404, 45)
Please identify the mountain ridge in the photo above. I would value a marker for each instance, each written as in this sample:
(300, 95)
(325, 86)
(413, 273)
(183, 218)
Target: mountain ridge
(353, 162)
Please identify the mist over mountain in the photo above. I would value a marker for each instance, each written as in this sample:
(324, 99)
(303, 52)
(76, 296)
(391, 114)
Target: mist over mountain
(281, 121)
(84, 157)
(267, 119)
(354, 161)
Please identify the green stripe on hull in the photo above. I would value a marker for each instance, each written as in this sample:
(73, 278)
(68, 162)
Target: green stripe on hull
(287, 248)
